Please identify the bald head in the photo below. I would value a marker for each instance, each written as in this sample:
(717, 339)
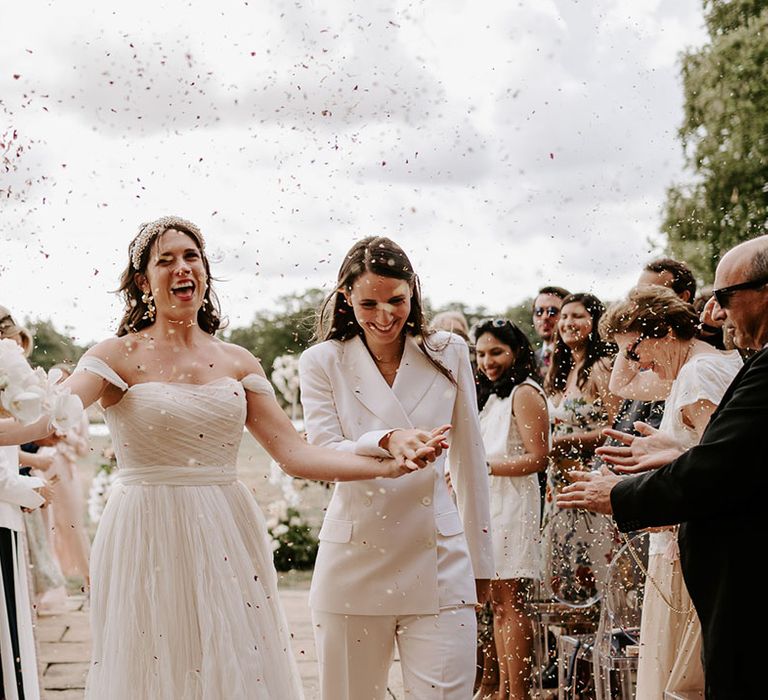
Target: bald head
(747, 308)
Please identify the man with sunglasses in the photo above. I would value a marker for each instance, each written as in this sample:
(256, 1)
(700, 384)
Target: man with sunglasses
(546, 313)
(713, 489)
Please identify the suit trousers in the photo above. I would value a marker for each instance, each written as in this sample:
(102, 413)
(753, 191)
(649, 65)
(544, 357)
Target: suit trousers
(437, 654)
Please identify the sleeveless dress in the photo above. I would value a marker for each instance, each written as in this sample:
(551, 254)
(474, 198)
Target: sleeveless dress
(576, 544)
(515, 501)
(670, 641)
(184, 601)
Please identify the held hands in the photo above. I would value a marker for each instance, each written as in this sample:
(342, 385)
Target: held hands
(651, 450)
(413, 449)
(589, 491)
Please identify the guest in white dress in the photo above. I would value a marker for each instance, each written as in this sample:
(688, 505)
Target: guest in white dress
(18, 659)
(515, 426)
(398, 563)
(660, 358)
(184, 602)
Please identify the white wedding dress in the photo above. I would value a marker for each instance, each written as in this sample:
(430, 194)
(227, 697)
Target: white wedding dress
(184, 601)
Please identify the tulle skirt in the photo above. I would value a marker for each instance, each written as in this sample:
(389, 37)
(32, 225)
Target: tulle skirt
(184, 602)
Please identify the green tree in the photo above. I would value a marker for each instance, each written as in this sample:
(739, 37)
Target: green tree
(287, 328)
(51, 346)
(725, 137)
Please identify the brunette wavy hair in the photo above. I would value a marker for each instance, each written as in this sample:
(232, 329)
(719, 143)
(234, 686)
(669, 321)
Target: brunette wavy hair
(562, 357)
(652, 312)
(135, 314)
(380, 256)
(523, 366)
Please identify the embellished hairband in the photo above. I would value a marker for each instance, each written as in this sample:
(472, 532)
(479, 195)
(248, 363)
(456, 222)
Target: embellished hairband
(149, 230)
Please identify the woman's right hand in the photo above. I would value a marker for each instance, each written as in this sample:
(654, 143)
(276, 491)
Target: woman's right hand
(413, 449)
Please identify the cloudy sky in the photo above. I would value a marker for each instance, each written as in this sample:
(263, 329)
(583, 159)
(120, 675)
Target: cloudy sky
(504, 145)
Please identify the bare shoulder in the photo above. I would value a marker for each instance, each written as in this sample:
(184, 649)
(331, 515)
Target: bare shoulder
(241, 361)
(116, 351)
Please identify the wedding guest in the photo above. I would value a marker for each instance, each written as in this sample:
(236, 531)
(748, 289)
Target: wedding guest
(184, 600)
(515, 429)
(546, 313)
(661, 358)
(453, 322)
(580, 406)
(398, 563)
(714, 490)
(67, 511)
(666, 272)
(18, 660)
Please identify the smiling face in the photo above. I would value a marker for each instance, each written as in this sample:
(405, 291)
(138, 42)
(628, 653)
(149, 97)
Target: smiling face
(494, 358)
(656, 354)
(381, 306)
(175, 275)
(575, 324)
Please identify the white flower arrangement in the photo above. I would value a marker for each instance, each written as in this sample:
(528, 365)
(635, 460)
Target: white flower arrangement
(28, 394)
(285, 376)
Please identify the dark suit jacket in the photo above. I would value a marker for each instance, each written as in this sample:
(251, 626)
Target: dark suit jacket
(715, 490)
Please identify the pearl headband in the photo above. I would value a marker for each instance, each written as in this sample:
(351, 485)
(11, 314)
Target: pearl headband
(149, 230)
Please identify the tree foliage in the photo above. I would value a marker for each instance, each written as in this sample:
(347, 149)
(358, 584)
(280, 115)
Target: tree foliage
(725, 137)
(52, 346)
(287, 328)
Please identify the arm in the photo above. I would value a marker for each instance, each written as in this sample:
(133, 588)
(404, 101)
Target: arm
(627, 381)
(700, 483)
(530, 413)
(16, 489)
(469, 475)
(269, 424)
(88, 386)
(35, 461)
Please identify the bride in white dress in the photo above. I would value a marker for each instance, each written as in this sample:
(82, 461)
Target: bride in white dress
(184, 600)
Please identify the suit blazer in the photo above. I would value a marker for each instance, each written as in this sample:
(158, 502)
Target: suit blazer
(714, 490)
(378, 542)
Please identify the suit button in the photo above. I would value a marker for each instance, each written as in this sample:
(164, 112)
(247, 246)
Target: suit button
(426, 501)
(429, 544)
(367, 501)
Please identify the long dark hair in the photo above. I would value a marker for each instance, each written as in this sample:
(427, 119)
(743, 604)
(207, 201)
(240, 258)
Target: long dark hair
(135, 315)
(524, 364)
(380, 256)
(562, 358)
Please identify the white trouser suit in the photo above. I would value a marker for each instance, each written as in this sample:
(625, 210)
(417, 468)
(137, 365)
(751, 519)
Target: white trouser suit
(397, 560)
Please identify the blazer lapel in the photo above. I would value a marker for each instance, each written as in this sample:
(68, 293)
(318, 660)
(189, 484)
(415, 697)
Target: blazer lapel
(415, 376)
(365, 381)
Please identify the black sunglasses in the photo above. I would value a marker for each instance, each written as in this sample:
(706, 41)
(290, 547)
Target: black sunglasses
(724, 294)
(631, 352)
(549, 310)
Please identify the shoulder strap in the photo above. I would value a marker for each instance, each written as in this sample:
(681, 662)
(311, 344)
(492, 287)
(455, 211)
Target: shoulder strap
(89, 363)
(257, 384)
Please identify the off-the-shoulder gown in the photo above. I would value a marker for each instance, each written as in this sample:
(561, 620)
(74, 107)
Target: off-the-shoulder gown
(184, 602)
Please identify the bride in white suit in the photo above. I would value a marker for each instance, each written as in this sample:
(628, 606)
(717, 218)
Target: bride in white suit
(398, 562)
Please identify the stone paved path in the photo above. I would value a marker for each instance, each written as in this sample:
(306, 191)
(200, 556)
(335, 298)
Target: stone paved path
(64, 649)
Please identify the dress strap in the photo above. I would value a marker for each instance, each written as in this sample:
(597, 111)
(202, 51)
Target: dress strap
(257, 384)
(89, 363)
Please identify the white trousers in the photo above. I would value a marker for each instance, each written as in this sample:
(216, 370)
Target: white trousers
(437, 654)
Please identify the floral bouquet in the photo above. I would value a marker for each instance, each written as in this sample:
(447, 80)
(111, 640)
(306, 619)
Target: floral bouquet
(28, 394)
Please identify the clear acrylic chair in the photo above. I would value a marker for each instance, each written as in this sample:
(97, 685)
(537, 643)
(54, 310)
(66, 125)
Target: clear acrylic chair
(616, 645)
(577, 548)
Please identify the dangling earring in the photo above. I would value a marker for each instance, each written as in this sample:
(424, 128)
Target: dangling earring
(149, 300)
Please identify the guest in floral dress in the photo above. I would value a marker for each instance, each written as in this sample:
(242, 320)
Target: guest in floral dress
(580, 406)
